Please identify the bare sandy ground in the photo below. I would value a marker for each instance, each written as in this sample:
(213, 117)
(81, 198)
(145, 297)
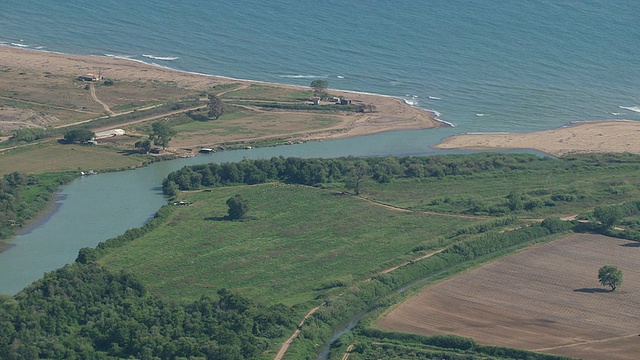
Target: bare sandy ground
(546, 299)
(600, 136)
(391, 113)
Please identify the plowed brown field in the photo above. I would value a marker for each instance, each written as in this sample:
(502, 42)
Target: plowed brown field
(545, 299)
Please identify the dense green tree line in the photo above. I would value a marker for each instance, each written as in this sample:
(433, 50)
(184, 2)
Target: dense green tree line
(83, 311)
(318, 171)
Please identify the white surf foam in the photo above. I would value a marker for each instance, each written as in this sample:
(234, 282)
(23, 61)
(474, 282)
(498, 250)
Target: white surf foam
(165, 58)
(340, 77)
(19, 45)
(480, 114)
(125, 57)
(632, 108)
(434, 98)
(302, 76)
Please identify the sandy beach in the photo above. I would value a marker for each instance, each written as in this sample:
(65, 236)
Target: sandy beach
(598, 136)
(391, 113)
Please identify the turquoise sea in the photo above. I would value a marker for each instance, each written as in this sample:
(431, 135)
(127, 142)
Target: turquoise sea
(484, 65)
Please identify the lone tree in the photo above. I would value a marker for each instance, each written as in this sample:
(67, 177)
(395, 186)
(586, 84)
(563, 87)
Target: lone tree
(215, 107)
(78, 135)
(610, 275)
(161, 134)
(320, 88)
(238, 207)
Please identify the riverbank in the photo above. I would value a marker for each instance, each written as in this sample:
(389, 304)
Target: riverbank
(581, 137)
(390, 113)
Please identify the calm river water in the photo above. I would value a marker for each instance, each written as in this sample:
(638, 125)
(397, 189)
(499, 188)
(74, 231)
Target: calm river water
(94, 208)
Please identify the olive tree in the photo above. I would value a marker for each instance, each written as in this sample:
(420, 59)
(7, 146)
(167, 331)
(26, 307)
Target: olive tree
(610, 275)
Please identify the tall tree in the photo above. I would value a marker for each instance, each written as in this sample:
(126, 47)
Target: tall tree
(79, 135)
(357, 175)
(238, 207)
(610, 275)
(161, 134)
(215, 106)
(320, 88)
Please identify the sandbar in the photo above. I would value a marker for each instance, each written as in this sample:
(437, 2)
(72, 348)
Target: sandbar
(619, 136)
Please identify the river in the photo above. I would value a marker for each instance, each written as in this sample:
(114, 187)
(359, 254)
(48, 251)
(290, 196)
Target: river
(94, 208)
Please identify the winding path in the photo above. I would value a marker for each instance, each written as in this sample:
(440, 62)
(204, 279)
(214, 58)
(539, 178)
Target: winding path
(92, 87)
(285, 345)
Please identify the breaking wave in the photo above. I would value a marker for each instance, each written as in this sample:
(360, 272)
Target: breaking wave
(165, 58)
(632, 108)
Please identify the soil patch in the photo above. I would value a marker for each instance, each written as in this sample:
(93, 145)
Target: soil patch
(533, 300)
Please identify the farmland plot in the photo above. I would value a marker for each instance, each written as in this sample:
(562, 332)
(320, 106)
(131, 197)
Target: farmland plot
(546, 299)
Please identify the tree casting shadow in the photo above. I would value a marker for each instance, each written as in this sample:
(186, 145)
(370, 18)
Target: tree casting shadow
(633, 244)
(592, 290)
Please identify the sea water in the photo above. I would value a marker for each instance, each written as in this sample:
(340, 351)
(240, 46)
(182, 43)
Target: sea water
(487, 65)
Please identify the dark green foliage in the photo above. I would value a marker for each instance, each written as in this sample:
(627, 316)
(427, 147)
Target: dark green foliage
(238, 207)
(215, 107)
(87, 255)
(78, 135)
(144, 146)
(317, 171)
(611, 276)
(555, 225)
(161, 133)
(86, 312)
(28, 134)
(607, 215)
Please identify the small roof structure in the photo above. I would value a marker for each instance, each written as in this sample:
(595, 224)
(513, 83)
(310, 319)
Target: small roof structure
(109, 133)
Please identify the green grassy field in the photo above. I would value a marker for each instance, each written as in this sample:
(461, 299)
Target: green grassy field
(553, 190)
(296, 244)
(55, 157)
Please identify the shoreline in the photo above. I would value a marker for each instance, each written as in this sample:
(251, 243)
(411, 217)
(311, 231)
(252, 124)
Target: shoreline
(597, 136)
(393, 113)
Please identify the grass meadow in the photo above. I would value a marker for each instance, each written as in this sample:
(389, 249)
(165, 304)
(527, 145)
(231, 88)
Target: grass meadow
(54, 157)
(550, 191)
(298, 243)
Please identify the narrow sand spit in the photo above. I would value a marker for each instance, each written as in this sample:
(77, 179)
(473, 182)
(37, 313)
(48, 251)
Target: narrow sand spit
(598, 136)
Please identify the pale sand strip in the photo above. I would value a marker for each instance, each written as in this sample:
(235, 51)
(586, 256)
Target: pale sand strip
(391, 113)
(601, 136)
